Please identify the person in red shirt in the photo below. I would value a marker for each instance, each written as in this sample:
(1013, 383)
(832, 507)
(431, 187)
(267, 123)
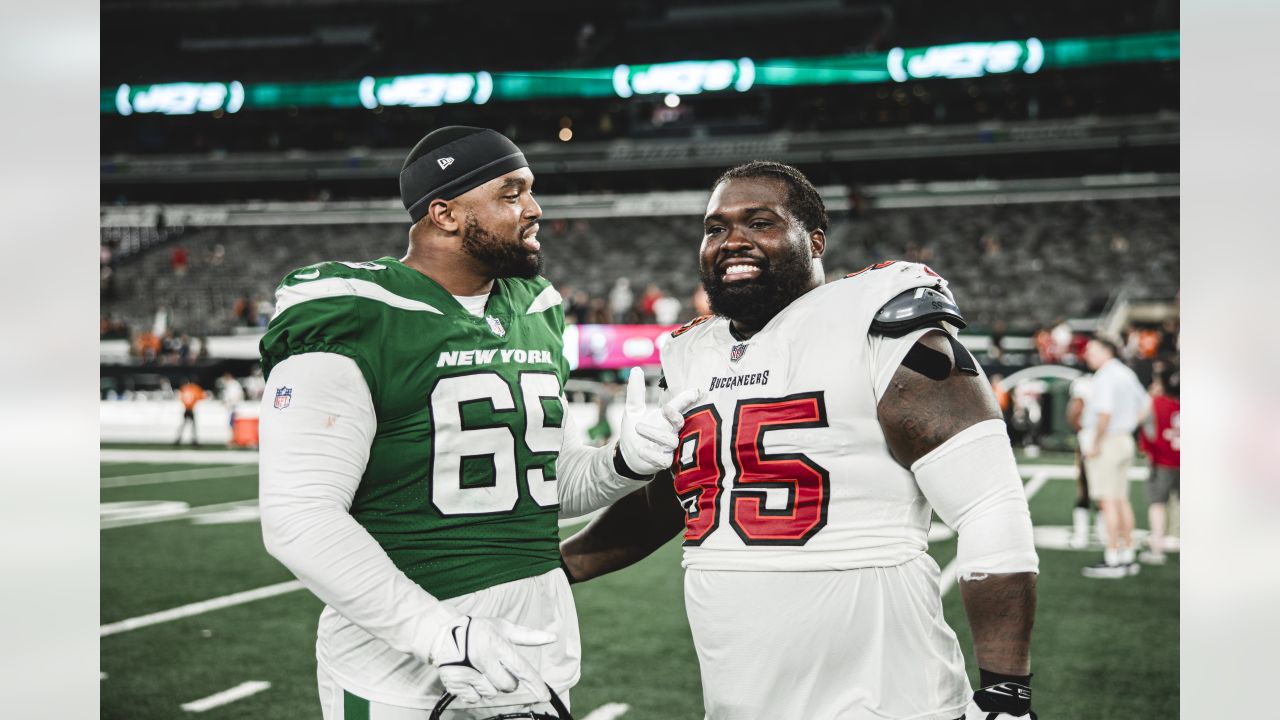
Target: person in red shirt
(1159, 440)
(189, 394)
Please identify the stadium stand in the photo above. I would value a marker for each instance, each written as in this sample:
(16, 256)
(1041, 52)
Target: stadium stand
(1020, 263)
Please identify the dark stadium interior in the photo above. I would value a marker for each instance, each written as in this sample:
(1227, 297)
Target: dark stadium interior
(268, 39)
(1106, 121)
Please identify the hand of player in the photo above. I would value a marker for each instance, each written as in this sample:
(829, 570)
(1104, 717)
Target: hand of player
(476, 658)
(648, 439)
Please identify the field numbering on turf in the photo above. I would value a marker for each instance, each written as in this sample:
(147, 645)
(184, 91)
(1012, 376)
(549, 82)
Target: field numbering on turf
(239, 692)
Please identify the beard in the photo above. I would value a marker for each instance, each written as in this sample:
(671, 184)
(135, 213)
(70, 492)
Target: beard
(755, 302)
(501, 257)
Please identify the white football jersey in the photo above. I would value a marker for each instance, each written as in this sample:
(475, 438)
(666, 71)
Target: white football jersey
(784, 466)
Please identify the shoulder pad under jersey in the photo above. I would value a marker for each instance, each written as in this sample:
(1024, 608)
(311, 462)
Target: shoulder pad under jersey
(916, 308)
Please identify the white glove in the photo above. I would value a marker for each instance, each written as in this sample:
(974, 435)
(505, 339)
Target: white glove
(647, 441)
(476, 659)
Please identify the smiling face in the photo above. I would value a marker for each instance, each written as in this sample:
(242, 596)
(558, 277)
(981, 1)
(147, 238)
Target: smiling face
(756, 256)
(500, 225)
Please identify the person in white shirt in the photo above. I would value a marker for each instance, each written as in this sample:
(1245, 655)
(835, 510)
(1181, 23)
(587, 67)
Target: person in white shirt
(1116, 405)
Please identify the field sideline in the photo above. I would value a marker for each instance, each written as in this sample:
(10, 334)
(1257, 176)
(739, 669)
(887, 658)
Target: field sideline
(181, 533)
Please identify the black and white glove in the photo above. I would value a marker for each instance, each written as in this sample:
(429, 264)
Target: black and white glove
(648, 438)
(476, 658)
(1001, 696)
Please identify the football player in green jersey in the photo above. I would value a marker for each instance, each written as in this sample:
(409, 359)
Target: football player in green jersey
(417, 449)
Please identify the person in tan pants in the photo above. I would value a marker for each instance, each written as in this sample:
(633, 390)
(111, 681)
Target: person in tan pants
(1116, 405)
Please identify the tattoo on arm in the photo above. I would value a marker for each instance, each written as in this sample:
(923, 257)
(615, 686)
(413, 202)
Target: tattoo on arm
(918, 414)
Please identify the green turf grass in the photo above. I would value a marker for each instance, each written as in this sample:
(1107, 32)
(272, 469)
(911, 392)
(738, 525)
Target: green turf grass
(1102, 648)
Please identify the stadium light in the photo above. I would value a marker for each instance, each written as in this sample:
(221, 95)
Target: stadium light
(181, 98)
(689, 77)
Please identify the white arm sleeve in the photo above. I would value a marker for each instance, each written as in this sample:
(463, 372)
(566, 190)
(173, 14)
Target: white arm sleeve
(313, 454)
(585, 477)
(972, 482)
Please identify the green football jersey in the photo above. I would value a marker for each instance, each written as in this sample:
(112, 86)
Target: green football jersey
(460, 486)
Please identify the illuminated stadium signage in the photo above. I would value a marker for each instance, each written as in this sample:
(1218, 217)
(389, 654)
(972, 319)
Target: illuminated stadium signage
(183, 98)
(684, 78)
(965, 60)
(426, 90)
(690, 77)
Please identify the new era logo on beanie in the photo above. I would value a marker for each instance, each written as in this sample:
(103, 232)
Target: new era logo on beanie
(452, 160)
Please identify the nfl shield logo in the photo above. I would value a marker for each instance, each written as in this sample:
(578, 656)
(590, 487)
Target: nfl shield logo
(737, 352)
(495, 325)
(283, 396)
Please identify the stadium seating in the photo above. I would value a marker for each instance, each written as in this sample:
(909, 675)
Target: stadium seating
(1022, 263)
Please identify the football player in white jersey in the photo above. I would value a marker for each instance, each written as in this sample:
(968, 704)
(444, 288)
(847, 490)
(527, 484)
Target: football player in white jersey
(837, 416)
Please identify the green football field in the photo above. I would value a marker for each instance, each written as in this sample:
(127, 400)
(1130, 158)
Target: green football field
(182, 624)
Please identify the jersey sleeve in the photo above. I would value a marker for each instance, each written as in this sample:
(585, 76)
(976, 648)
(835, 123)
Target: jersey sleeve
(887, 353)
(317, 310)
(313, 454)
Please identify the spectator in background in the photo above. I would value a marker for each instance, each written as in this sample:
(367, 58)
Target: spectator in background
(1159, 440)
(161, 322)
(1028, 414)
(566, 293)
(1061, 334)
(242, 312)
(265, 309)
(190, 394)
(598, 312)
(1169, 337)
(1044, 345)
(1002, 394)
(644, 306)
(621, 299)
(995, 351)
(254, 384)
(1116, 404)
(147, 347)
(232, 394)
(184, 350)
(178, 260)
(577, 306)
(666, 310)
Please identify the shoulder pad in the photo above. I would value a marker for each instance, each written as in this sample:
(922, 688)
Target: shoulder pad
(690, 325)
(916, 308)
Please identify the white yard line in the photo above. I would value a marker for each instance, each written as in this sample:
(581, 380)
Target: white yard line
(178, 456)
(192, 513)
(199, 608)
(179, 476)
(608, 711)
(1037, 481)
(239, 692)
